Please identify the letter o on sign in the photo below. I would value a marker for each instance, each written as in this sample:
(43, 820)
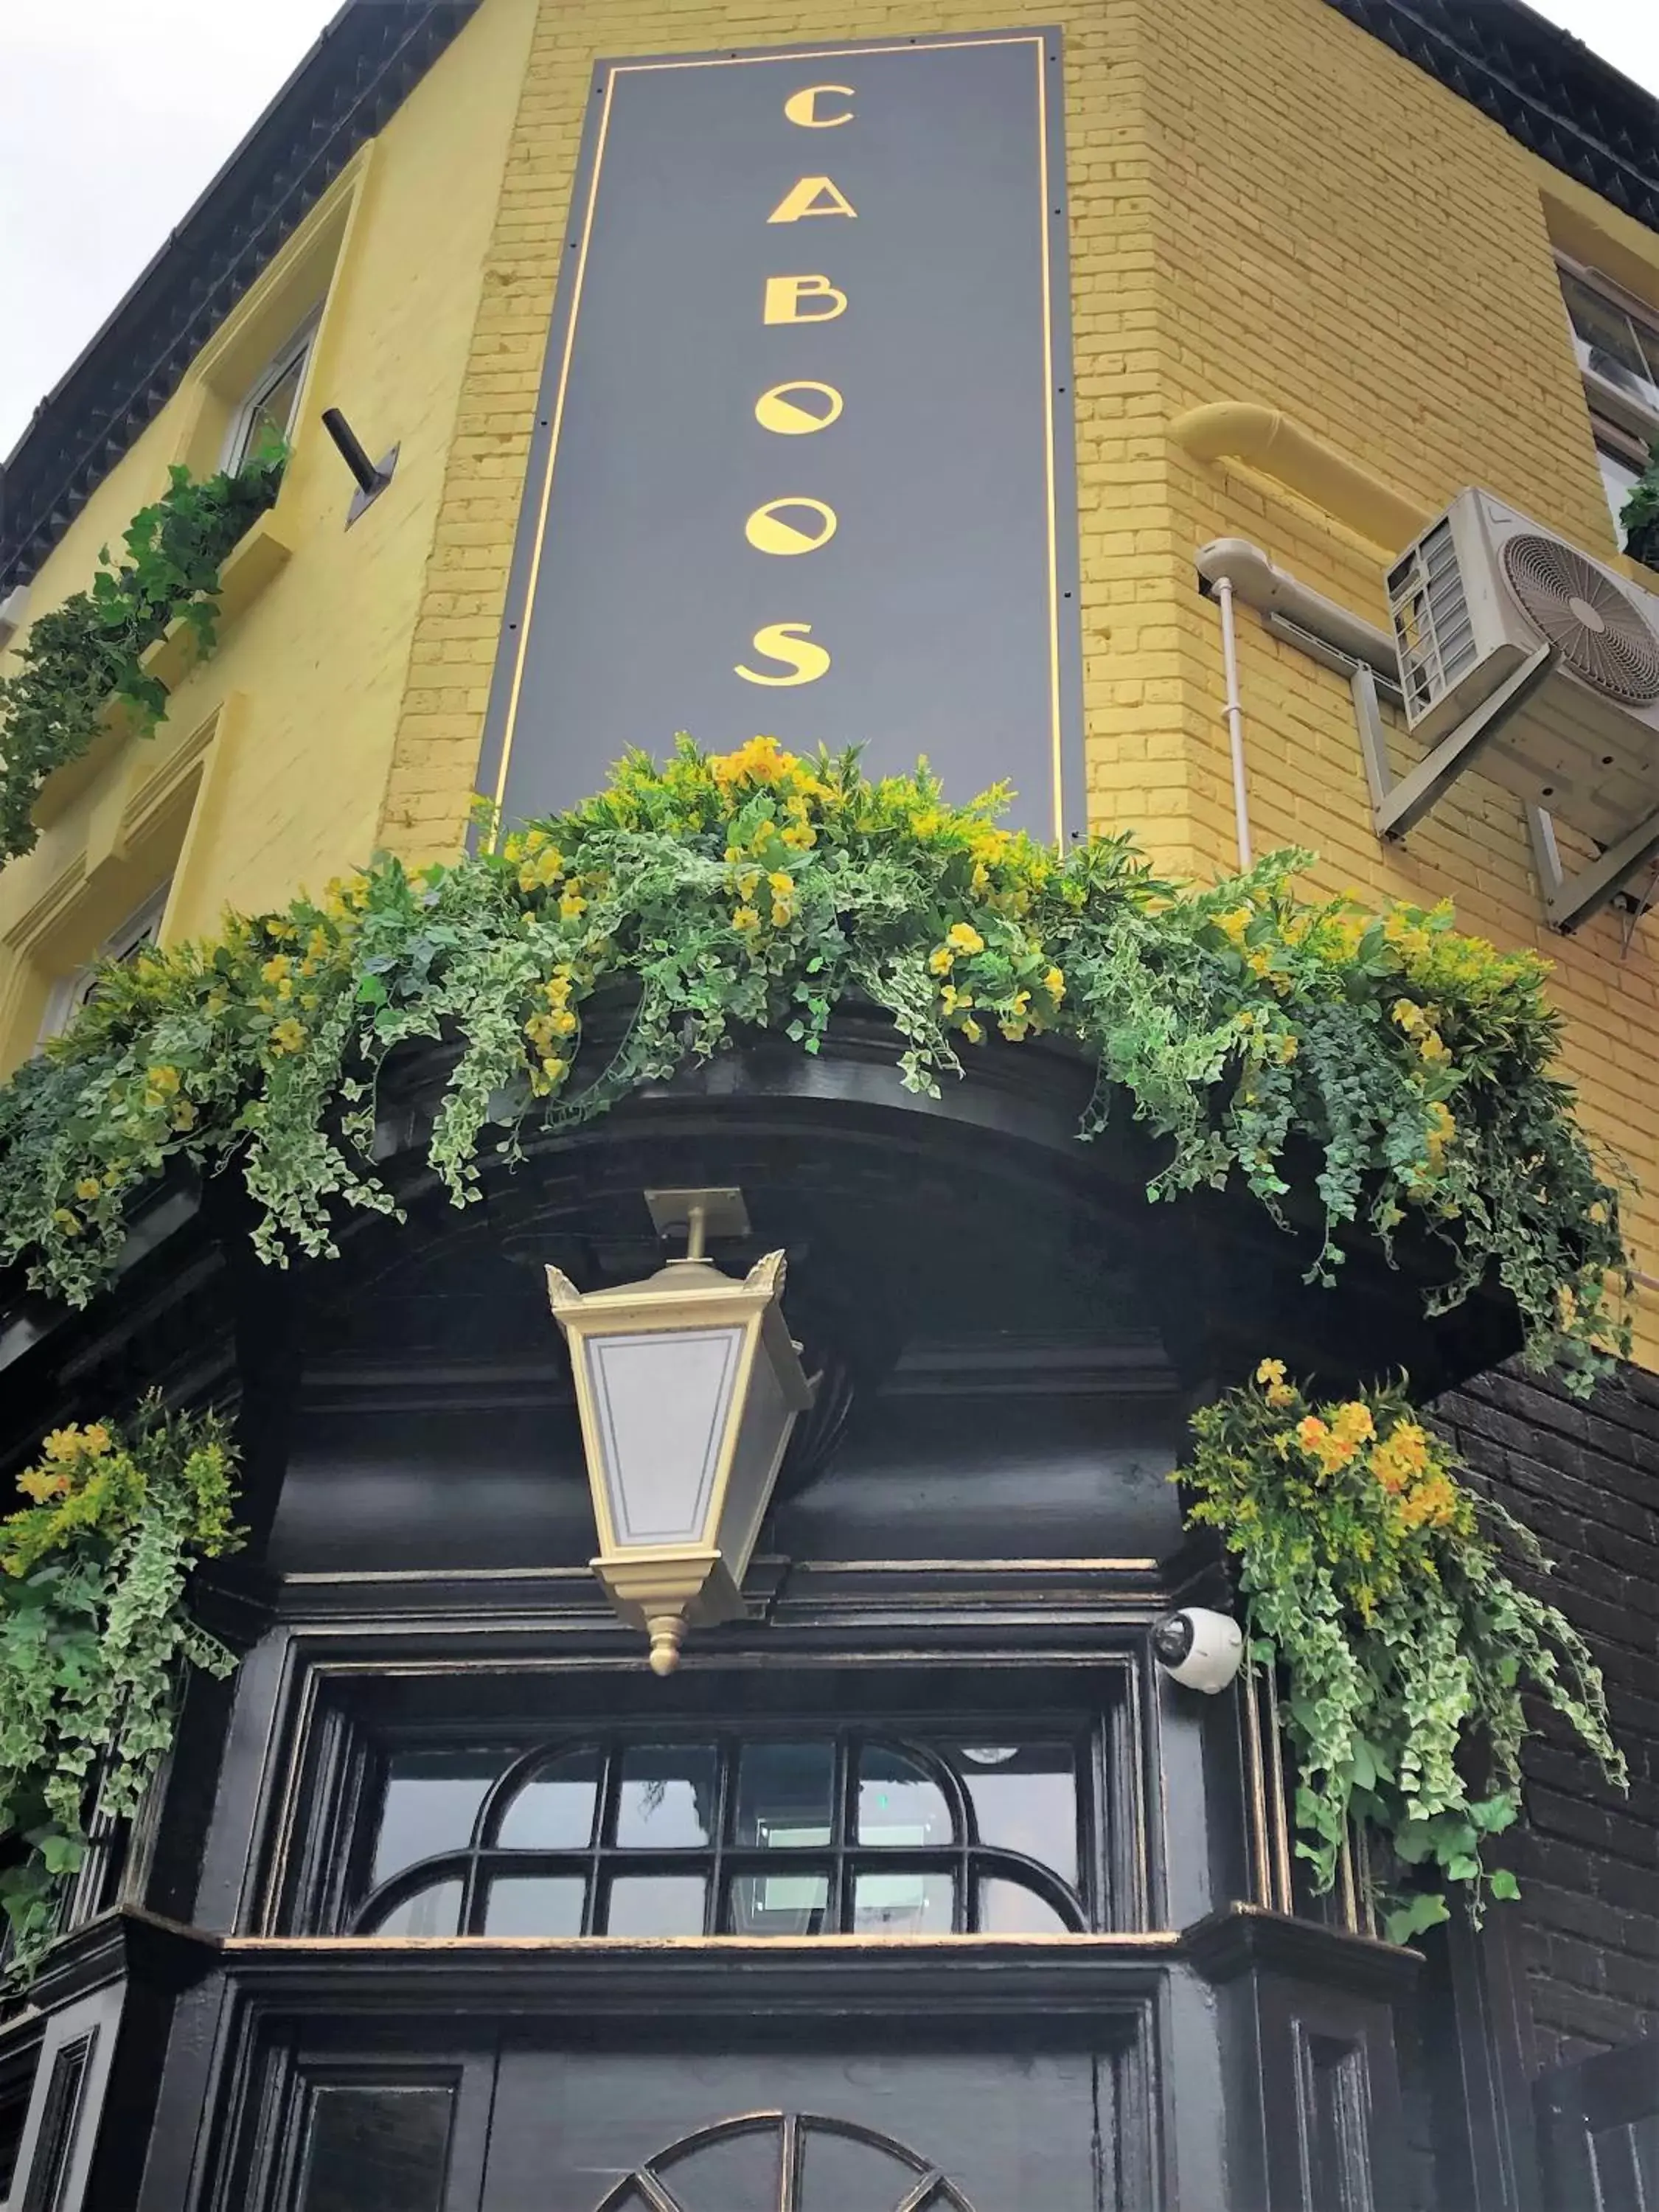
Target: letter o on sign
(768, 531)
(781, 409)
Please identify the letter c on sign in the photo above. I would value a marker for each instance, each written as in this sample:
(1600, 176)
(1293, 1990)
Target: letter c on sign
(802, 107)
(790, 642)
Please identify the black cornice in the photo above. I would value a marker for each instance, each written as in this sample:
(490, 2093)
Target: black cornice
(356, 76)
(1539, 83)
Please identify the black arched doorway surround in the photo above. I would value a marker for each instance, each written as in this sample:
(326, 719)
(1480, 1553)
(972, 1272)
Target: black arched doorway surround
(918, 1887)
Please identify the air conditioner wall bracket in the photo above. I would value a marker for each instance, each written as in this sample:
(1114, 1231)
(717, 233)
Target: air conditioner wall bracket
(1396, 808)
(1569, 901)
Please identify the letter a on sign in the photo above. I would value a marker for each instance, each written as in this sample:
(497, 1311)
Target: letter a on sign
(802, 199)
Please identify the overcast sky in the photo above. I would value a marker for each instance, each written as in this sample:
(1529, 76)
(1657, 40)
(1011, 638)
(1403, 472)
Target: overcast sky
(118, 112)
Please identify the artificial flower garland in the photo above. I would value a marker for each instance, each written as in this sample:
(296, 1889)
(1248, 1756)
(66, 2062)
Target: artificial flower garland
(758, 891)
(1373, 1575)
(94, 1628)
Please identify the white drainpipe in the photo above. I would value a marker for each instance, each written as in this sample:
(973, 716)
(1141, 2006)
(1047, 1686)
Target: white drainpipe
(1235, 710)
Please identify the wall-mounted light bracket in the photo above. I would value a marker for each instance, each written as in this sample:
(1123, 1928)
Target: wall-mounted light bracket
(371, 477)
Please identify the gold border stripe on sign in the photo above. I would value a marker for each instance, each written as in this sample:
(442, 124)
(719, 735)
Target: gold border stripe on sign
(804, 54)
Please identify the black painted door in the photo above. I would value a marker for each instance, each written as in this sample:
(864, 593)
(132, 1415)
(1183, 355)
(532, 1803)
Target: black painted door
(1599, 2125)
(884, 2125)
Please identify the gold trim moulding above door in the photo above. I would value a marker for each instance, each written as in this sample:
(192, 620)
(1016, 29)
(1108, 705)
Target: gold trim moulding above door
(575, 1947)
(416, 1575)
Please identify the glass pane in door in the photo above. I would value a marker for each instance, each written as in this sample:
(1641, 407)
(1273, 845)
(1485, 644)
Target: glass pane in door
(380, 2148)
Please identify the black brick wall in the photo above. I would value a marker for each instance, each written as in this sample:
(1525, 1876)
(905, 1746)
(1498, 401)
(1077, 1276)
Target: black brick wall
(1585, 1478)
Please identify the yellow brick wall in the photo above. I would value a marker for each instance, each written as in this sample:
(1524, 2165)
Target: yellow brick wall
(1265, 204)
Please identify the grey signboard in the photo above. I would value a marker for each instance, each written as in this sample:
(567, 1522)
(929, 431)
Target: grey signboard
(804, 463)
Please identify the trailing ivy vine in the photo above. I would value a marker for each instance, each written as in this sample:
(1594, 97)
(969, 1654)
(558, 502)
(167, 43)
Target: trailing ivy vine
(754, 890)
(78, 656)
(92, 1628)
(1376, 1580)
(1639, 517)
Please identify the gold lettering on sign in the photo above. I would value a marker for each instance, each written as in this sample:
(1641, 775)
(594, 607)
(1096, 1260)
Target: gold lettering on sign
(787, 299)
(802, 107)
(776, 410)
(767, 532)
(802, 199)
(792, 643)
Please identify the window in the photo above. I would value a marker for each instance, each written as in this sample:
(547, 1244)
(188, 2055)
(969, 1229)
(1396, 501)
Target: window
(799, 1834)
(1616, 340)
(72, 992)
(265, 415)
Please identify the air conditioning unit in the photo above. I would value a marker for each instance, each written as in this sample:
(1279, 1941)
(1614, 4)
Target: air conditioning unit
(1471, 600)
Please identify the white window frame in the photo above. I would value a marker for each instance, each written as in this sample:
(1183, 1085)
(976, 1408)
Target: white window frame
(1621, 424)
(295, 348)
(70, 992)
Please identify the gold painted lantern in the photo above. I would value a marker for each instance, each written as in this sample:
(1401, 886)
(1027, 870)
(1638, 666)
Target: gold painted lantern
(688, 1386)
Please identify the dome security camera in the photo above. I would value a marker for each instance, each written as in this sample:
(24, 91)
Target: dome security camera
(1201, 1650)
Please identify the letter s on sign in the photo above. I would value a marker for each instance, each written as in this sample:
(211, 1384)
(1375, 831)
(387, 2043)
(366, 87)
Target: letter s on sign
(792, 642)
(802, 107)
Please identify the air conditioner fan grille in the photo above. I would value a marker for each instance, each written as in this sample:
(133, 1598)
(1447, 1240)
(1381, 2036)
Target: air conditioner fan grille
(1600, 633)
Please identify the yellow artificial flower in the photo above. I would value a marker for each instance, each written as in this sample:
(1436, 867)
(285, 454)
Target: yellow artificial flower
(1271, 1371)
(88, 1187)
(941, 960)
(962, 936)
(62, 1444)
(164, 1080)
(276, 968)
(41, 1485)
(96, 1439)
(572, 905)
(288, 1037)
(746, 921)
(972, 1031)
(1054, 984)
(1354, 1424)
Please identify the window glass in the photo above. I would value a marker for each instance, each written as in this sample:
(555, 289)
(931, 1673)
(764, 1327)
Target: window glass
(266, 417)
(655, 1905)
(899, 1804)
(1611, 344)
(1009, 1908)
(903, 1904)
(123, 945)
(790, 1835)
(429, 1803)
(434, 1910)
(554, 1810)
(666, 1801)
(1025, 1799)
(785, 1794)
(1619, 478)
(379, 2148)
(535, 1904)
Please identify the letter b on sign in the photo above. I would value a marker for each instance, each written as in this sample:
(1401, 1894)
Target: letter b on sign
(802, 300)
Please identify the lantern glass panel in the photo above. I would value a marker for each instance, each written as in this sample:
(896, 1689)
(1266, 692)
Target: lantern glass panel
(662, 1401)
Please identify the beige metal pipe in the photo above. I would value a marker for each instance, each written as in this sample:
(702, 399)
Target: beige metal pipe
(1276, 444)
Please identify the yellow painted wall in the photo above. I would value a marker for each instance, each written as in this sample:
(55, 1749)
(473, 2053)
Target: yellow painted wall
(1265, 205)
(315, 666)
